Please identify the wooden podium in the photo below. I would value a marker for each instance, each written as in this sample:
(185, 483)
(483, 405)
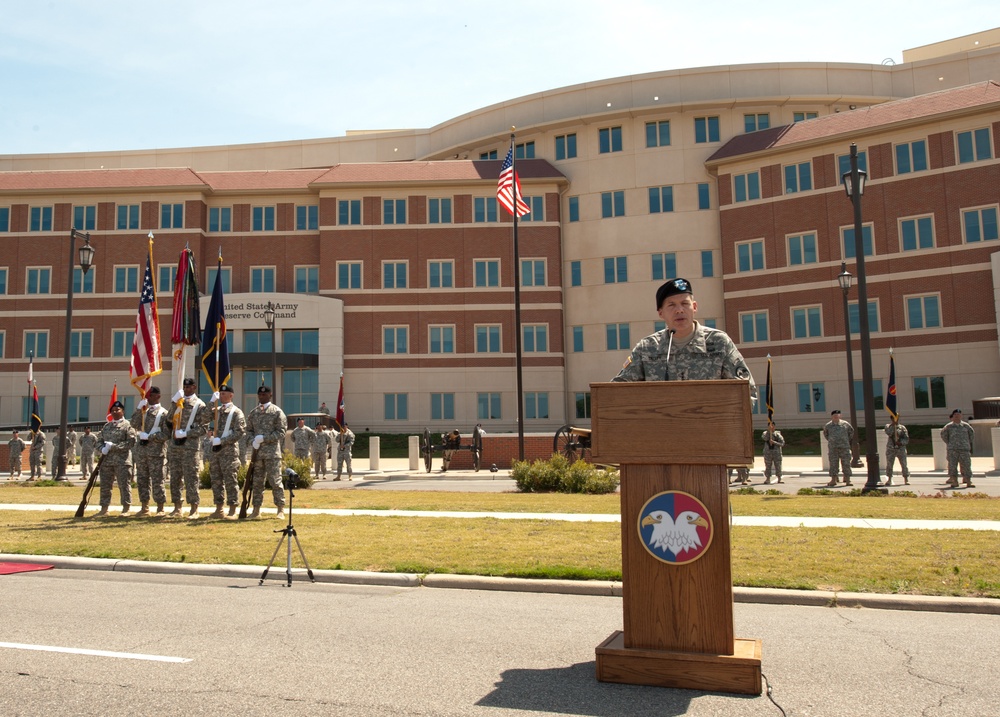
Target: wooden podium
(673, 441)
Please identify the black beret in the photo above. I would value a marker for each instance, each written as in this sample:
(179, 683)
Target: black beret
(264, 389)
(835, 411)
(190, 382)
(118, 404)
(226, 387)
(952, 414)
(670, 288)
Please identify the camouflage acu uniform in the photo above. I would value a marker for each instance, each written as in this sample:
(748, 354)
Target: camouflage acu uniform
(960, 439)
(54, 461)
(895, 448)
(150, 454)
(182, 455)
(224, 459)
(88, 444)
(15, 447)
(838, 438)
(270, 423)
(118, 437)
(773, 441)
(301, 441)
(71, 437)
(319, 444)
(35, 456)
(345, 442)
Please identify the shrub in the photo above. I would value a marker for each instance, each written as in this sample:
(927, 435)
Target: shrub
(302, 466)
(558, 474)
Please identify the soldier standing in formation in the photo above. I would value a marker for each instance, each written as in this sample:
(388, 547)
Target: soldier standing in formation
(150, 451)
(320, 446)
(302, 439)
(960, 438)
(345, 442)
(224, 459)
(189, 424)
(773, 442)
(54, 462)
(15, 447)
(838, 436)
(895, 448)
(71, 437)
(88, 444)
(452, 442)
(35, 456)
(117, 438)
(267, 424)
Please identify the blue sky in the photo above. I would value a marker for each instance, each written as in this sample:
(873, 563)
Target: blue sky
(89, 75)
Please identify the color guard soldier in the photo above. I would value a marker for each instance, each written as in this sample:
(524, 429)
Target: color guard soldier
(267, 424)
(189, 424)
(773, 442)
(224, 459)
(345, 442)
(117, 439)
(38, 441)
(150, 421)
(895, 448)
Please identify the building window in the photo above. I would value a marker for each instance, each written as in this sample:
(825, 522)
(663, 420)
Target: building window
(661, 200)
(484, 210)
(300, 341)
(393, 274)
(923, 312)
(615, 269)
(753, 327)
(582, 400)
(706, 129)
(396, 406)
(306, 279)
(974, 145)
(394, 211)
(300, 390)
(575, 274)
(979, 224)
(812, 397)
(746, 186)
(802, 116)
(121, 342)
(442, 406)
(664, 266)
(226, 279)
(257, 342)
(574, 209)
(171, 216)
(577, 339)
(928, 392)
(395, 339)
(488, 406)
(618, 337)
(753, 122)
(844, 165)
(488, 339)
(348, 274)
(917, 233)
(536, 209)
(36, 343)
(126, 279)
(439, 211)
(612, 204)
(806, 322)
(659, 325)
(536, 404)
(750, 255)
(658, 134)
(609, 140)
(307, 217)
(533, 272)
(220, 219)
(492, 154)
(442, 339)
(526, 150)
(262, 219)
(41, 219)
(849, 244)
(348, 212)
(77, 408)
(487, 272)
(535, 338)
(798, 178)
(802, 249)
(4, 219)
(85, 217)
(3, 281)
(704, 199)
(566, 146)
(167, 277)
(128, 216)
(440, 274)
(707, 264)
(39, 280)
(854, 320)
(81, 344)
(261, 279)
(910, 157)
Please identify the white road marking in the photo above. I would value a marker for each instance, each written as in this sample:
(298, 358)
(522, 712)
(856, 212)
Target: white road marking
(94, 653)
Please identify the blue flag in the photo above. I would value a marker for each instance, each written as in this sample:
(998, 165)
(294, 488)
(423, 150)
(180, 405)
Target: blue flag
(214, 346)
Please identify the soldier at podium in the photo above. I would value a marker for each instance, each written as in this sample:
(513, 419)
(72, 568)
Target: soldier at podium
(685, 350)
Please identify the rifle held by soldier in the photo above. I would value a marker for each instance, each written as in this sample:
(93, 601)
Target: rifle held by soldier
(248, 485)
(90, 486)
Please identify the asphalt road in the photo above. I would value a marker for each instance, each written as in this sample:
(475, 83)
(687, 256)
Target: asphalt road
(364, 651)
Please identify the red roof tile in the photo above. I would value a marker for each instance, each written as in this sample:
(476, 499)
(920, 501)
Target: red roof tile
(444, 171)
(261, 180)
(87, 179)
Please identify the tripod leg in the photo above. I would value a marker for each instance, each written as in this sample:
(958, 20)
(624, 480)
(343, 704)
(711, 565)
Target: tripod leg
(304, 561)
(271, 562)
(288, 563)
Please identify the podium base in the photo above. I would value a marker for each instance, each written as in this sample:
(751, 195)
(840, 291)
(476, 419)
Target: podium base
(738, 673)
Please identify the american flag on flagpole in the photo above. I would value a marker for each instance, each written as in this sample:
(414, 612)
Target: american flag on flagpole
(509, 187)
(146, 354)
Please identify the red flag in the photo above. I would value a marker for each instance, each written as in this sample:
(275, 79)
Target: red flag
(146, 354)
(114, 397)
(509, 187)
(36, 419)
(339, 418)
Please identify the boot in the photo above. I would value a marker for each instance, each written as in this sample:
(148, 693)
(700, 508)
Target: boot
(159, 510)
(102, 512)
(218, 512)
(176, 513)
(144, 510)
(232, 512)
(281, 512)
(256, 512)
(125, 512)
(193, 513)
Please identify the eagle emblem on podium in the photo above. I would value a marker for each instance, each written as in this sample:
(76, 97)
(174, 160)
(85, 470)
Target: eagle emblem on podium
(675, 527)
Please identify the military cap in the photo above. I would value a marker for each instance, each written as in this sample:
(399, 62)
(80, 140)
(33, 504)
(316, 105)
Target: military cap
(190, 382)
(952, 414)
(225, 388)
(118, 404)
(263, 389)
(835, 411)
(153, 389)
(670, 288)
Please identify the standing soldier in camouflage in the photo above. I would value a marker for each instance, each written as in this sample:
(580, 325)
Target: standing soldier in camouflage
(150, 451)
(960, 438)
(88, 444)
(267, 424)
(773, 442)
(71, 438)
(345, 442)
(189, 424)
(224, 459)
(35, 456)
(838, 436)
(302, 439)
(895, 448)
(15, 447)
(54, 461)
(117, 438)
(320, 446)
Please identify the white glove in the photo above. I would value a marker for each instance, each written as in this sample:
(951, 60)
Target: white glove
(106, 448)
(143, 436)
(216, 441)
(180, 434)
(178, 396)
(258, 441)
(215, 397)
(142, 404)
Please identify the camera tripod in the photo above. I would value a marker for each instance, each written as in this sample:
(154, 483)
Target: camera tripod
(287, 533)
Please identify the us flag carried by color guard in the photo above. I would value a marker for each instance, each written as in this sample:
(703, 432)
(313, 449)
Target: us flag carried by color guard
(146, 354)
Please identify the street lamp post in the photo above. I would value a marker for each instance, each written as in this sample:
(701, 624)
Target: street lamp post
(846, 280)
(854, 185)
(86, 261)
(270, 320)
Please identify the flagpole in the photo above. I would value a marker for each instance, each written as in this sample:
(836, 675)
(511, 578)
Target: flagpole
(517, 310)
(31, 360)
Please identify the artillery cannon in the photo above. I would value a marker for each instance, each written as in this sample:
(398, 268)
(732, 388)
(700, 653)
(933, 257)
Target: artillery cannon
(572, 442)
(428, 448)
